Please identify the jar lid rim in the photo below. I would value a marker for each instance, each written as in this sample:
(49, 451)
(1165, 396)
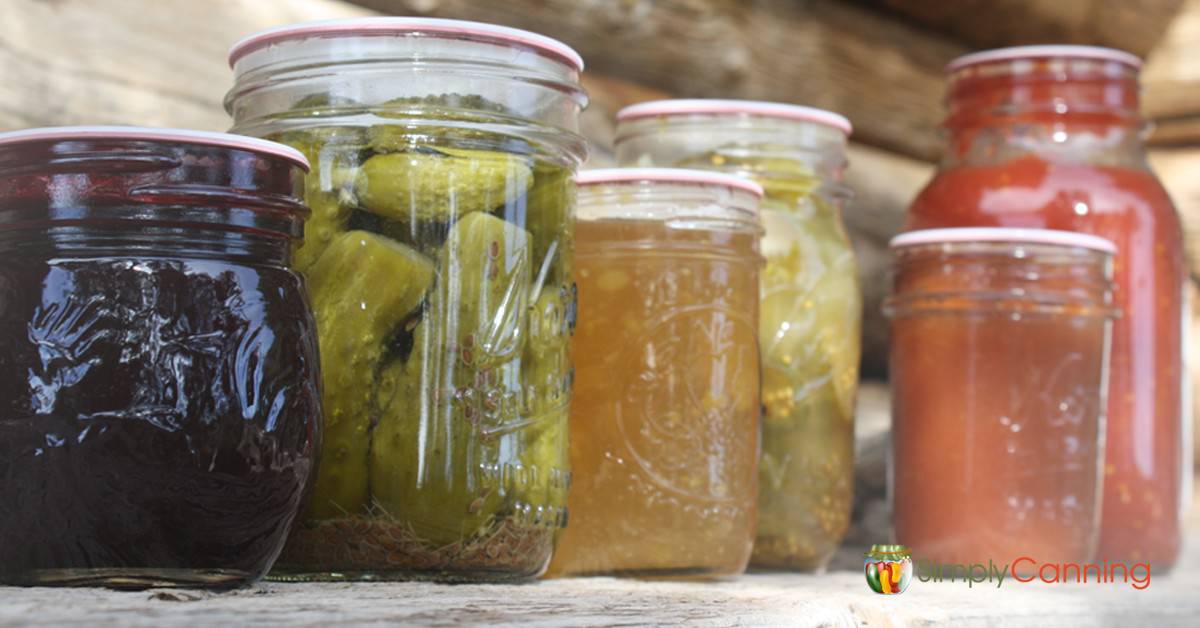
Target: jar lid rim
(602, 176)
(1003, 234)
(396, 25)
(155, 134)
(686, 106)
(1016, 53)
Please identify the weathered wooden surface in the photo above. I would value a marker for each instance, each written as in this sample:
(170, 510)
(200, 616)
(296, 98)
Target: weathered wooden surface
(837, 598)
(1133, 25)
(884, 75)
(1171, 79)
(131, 61)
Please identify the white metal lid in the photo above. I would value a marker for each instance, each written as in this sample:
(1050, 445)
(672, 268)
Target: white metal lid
(384, 26)
(668, 175)
(691, 106)
(1002, 234)
(1015, 53)
(154, 134)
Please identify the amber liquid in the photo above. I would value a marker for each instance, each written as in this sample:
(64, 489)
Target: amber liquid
(664, 417)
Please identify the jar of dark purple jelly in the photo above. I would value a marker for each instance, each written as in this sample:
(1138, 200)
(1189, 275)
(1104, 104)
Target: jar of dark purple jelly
(159, 400)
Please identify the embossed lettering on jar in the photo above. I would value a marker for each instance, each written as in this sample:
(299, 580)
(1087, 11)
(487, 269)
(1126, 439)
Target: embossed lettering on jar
(664, 421)
(439, 257)
(158, 362)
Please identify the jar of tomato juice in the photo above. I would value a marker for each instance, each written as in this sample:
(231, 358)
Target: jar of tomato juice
(1050, 137)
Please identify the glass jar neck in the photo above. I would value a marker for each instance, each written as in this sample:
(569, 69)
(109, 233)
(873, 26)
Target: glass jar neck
(678, 206)
(789, 158)
(998, 278)
(145, 242)
(1057, 108)
(100, 197)
(435, 87)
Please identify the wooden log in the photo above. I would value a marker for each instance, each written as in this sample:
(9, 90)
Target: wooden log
(885, 76)
(1171, 78)
(839, 597)
(1133, 25)
(129, 61)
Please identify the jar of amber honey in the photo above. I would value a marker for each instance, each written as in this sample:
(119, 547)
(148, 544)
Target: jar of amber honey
(999, 364)
(664, 417)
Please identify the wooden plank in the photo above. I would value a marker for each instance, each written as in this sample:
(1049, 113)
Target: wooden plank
(1133, 25)
(1179, 132)
(1171, 78)
(129, 61)
(885, 76)
(837, 598)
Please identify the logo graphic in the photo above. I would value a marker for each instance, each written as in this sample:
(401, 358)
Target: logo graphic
(889, 568)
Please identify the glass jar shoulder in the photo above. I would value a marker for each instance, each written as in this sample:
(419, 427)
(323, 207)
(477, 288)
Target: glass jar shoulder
(1040, 193)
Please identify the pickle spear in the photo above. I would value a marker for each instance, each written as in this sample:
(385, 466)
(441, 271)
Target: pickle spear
(434, 464)
(328, 189)
(363, 288)
(440, 184)
(482, 295)
(427, 453)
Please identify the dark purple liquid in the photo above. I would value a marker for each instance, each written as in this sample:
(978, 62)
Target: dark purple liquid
(157, 418)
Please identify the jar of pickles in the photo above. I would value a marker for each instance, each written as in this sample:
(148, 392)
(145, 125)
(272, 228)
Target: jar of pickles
(439, 260)
(999, 355)
(664, 421)
(159, 393)
(811, 303)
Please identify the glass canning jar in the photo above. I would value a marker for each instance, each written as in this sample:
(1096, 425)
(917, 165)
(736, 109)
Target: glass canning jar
(664, 421)
(1051, 137)
(439, 250)
(811, 302)
(159, 405)
(999, 355)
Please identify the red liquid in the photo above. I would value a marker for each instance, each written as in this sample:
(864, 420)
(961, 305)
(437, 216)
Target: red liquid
(1143, 460)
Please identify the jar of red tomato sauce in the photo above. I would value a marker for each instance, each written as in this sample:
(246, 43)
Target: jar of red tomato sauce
(1050, 137)
(998, 357)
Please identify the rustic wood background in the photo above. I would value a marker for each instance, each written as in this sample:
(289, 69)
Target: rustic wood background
(880, 62)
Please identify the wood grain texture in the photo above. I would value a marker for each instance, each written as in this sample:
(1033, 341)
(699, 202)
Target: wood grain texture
(1171, 79)
(1133, 25)
(884, 75)
(837, 598)
(158, 63)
